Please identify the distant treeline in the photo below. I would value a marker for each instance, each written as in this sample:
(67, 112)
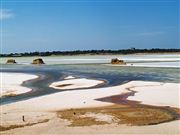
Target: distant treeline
(92, 52)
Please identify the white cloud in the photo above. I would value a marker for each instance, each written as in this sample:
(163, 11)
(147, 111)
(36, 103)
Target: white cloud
(6, 14)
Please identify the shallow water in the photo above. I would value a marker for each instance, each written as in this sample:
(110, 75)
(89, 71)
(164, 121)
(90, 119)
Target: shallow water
(115, 75)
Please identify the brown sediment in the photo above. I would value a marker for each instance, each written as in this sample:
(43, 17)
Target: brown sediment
(122, 100)
(9, 95)
(177, 110)
(63, 85)
(98, 85)
(124, 114)
(74, 116)
(124, 111)
(3, 128)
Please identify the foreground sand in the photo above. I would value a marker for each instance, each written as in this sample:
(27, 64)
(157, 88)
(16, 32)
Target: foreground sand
(11, 83)
(59, 127)
(45, 107)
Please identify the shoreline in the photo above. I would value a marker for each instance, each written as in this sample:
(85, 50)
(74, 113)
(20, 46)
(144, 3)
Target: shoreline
(92, 94)
(14, 86)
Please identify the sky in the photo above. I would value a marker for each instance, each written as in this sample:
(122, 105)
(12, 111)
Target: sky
(61, 25)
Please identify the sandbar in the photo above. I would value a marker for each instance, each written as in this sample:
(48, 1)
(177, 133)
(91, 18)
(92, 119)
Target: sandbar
(11, 83)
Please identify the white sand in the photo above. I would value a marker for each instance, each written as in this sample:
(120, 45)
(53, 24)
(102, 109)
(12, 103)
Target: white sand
(85, 98)
(69, 77)
(12, 113)
(59, 127)
(10, 83)
(66, 100)
(100, 117)
(164, 94)
(75, 83)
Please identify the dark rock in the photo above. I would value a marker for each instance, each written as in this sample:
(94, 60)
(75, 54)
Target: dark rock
(38, 61)
(117, 61)
(10, 61)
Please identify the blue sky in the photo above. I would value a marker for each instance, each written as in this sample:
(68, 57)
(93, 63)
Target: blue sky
(81, 25)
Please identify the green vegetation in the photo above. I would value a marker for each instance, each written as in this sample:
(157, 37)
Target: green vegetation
(92, 52)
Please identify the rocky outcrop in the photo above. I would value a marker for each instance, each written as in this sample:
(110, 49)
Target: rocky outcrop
(38, 61)
(117, 61)
(10, 61)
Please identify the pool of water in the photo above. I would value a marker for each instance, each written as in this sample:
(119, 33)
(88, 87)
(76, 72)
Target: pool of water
(114, 76)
